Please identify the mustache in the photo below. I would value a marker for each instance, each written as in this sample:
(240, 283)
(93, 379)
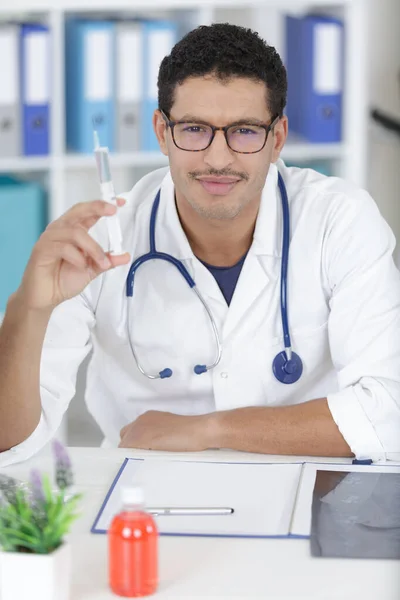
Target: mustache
(218, 173)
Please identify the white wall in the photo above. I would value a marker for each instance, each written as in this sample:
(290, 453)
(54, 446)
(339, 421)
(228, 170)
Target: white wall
(384, 92)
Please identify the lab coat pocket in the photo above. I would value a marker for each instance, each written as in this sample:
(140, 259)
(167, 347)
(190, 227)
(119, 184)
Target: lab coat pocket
(318, 378)
(312, 345)
(309, 326)
(302, 332)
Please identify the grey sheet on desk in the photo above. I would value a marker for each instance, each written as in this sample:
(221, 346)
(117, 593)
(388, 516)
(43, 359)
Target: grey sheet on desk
(358, 517)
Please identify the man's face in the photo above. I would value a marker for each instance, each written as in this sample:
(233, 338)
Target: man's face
(218, 183)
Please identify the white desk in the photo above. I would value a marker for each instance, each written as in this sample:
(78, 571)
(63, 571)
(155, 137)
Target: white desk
(213, 568)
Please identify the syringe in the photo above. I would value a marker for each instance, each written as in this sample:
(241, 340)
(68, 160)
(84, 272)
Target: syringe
(108, 194)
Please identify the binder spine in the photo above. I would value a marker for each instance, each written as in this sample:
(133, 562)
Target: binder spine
(35, 80)
(10, 113)
(90, 84)
(129, 86)
(159, 38)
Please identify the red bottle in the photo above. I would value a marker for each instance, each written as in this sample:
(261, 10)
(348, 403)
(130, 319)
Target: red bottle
(133, 548)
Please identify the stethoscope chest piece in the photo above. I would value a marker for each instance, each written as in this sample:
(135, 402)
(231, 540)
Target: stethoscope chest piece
(287, 371)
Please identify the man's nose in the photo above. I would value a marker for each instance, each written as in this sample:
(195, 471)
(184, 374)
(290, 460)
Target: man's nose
(218, 155)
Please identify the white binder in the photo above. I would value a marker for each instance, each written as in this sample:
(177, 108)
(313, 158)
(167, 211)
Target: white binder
(129, 69)
(10, 119)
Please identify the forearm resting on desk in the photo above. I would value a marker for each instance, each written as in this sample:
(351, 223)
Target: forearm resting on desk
(21, 339)
(303, 429)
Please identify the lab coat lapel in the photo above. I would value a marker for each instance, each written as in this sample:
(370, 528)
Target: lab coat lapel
(171, 238)
(262, 265)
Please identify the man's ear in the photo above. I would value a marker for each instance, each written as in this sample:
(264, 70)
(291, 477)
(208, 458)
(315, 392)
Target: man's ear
(279, 139)
(161, 130)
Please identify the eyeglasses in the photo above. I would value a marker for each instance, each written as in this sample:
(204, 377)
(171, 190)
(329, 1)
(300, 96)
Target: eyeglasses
(241, 137)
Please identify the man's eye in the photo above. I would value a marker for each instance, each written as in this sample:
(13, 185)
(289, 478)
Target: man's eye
(194, 129)
(245, 131)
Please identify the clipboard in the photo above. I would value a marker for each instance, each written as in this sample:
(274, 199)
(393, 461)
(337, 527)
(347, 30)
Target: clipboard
(270, 500)
(267, 515)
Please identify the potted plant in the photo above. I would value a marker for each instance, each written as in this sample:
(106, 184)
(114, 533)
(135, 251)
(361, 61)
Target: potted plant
(34, 518)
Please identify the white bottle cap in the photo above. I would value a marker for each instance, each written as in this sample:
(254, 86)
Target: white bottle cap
(132, 496)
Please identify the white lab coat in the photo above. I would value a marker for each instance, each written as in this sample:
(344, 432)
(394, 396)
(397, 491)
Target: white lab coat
(343, 307)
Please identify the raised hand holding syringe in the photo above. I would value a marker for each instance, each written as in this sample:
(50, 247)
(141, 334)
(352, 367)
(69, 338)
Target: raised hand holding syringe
(108, 194)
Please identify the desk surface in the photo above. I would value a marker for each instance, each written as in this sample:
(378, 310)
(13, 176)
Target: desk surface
(213, 568)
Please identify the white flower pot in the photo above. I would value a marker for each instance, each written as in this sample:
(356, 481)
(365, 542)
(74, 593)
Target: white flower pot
(35, 576)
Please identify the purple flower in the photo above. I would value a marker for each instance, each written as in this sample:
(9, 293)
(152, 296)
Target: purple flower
(64, 476)
(38, 496)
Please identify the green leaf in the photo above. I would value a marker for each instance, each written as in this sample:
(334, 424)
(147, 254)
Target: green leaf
(19, 535)
(48, 492)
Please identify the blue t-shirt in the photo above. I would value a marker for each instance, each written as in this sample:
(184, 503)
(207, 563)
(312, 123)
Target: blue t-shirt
(226, 277)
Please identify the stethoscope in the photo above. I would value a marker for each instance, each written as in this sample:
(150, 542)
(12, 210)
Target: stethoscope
(287, 365)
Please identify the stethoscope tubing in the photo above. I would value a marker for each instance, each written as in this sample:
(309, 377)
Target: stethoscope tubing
(287, 365)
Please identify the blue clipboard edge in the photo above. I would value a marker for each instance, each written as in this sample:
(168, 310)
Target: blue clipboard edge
(94, 530)
(110, 491)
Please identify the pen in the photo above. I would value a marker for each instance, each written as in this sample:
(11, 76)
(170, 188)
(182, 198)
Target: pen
(108, 194)
(184, 510)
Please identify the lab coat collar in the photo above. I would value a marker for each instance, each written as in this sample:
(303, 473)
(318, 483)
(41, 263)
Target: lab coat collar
(171, 238)
(268, 230)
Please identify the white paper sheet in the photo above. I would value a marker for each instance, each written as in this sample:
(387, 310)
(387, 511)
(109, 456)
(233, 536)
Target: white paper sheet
(262, 495)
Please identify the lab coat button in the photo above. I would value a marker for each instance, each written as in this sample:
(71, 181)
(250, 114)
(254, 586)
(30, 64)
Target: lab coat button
(224, 375)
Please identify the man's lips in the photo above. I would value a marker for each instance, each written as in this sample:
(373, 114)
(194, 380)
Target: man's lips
(218, 186)
(219, 179)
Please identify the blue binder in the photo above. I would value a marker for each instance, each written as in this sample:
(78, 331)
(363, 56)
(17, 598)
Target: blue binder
(159, 38)
(22, 220)
(35, 88)
(90, 85)
(293, 72)
(315, 77)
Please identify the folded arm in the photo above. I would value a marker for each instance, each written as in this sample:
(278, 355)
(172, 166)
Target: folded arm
(302, 429)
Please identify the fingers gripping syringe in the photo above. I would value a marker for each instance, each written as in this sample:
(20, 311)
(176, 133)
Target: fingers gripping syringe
(108, 194)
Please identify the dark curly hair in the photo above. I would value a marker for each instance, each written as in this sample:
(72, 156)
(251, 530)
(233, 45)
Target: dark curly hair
(227, 51)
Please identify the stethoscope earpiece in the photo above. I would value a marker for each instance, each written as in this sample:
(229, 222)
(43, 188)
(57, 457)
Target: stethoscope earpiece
(199, 369)
(165, 373)
(287, 371)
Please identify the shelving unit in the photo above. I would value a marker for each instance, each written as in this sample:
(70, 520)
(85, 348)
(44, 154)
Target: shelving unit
(71, 178)
(293, 151)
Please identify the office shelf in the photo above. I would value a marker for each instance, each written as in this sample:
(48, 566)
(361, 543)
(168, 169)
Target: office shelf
(70, 175)
(130, 159)
(25, 164)
(40, 6)
(294, 150)
(298, 150)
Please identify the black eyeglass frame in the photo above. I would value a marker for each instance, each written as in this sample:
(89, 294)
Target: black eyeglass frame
(267, 128)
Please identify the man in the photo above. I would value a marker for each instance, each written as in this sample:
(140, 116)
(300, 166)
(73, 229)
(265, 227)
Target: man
(221, 122)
